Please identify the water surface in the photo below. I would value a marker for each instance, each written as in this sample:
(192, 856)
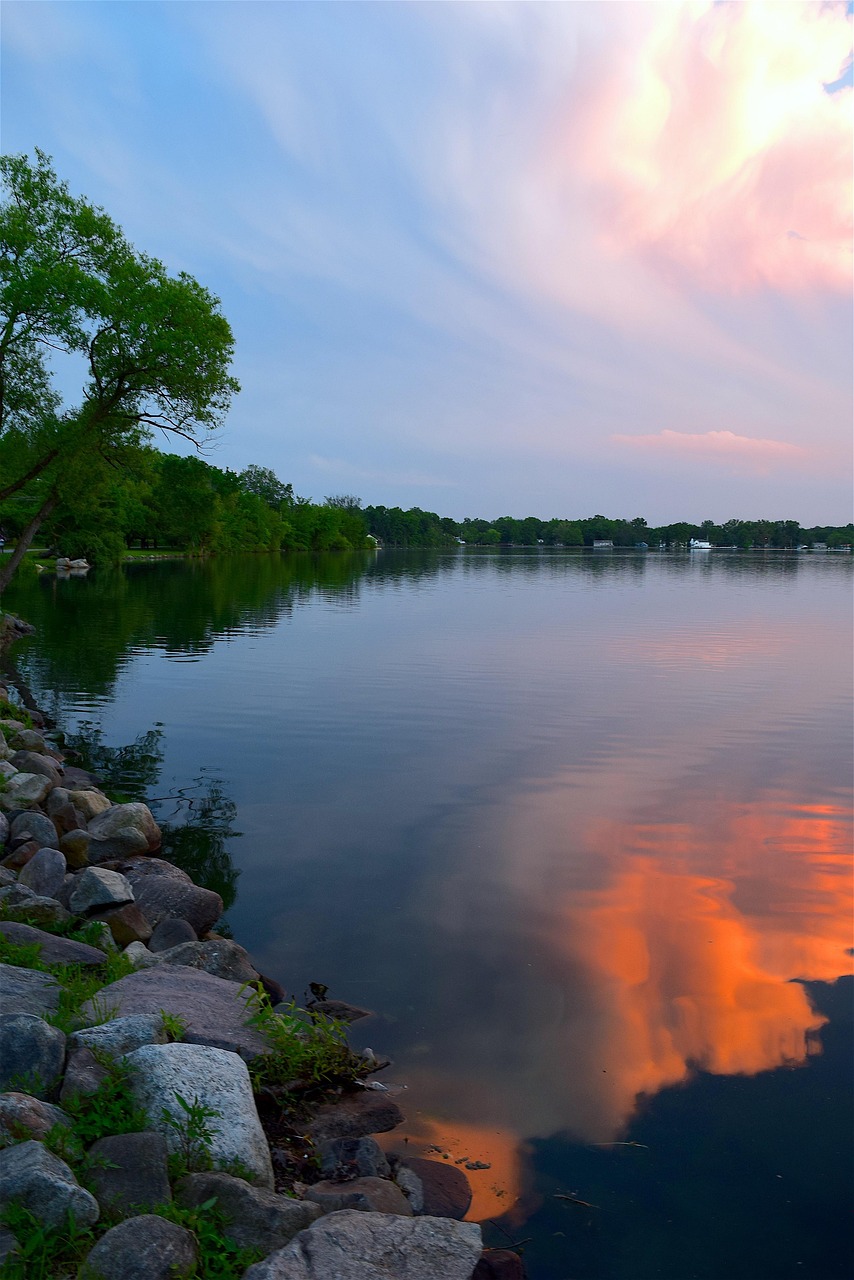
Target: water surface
(576, 825)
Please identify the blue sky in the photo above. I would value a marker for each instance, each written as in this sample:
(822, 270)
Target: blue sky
(486, 259)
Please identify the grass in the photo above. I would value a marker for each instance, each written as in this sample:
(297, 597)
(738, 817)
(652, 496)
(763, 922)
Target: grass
(308, 1052)
(77, 983)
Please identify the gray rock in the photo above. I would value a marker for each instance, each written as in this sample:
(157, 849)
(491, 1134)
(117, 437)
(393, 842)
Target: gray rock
(139, 955)
(445, 1188)
(6, 770)
(97, 887)
(44, 873)
(75, 846)
(20, 855)
(89, 802)
(355, 1117)
(54, 950)
(127, 923)
(340, 1010)
(122, 830)
(7, 877)
(101, 936)
(27, 991)
(120, 1035)
(33, 1176)
(84, 1076)
(23, 1117)
(367, 1195)
(144, 1248)
(375, 1246)
(8, 1244)
(128, 1172)
(34, 762)
(257, 1219)
(30, 740)
(410, 1185)
(4, 821)
(221, 957)
(162, 890)
(33, 825)
(213, 1077)
(342, 1158)
(171, 932)
(23, 790)
(213, 1010)
(20, 903)
(32, 1054)
(500, 1264)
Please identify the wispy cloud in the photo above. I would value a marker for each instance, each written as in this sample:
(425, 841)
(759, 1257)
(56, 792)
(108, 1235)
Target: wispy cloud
(723, 446)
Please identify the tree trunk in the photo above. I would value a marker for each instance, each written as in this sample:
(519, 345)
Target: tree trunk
(24, 541)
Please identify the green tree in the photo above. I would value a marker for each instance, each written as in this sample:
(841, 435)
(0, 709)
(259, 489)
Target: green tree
(155, 348)
(266, 485)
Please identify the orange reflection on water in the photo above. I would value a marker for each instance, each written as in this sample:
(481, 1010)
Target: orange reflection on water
(694, 969)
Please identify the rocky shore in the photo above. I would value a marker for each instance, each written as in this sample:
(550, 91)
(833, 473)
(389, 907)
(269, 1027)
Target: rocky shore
(145, 1098)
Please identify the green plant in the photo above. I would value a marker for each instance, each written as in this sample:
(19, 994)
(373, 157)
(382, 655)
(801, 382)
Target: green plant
(220, 1258)
(173, 1024)
(79, 985)
(11, 711)
(43, 1252)
(195, 1135)
(109, 1110)
(23, 955)
(307, 1050)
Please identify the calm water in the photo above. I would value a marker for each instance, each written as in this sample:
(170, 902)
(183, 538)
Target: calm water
(577, 826)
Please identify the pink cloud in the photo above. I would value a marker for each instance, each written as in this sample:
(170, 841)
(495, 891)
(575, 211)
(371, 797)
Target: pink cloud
(724, 446)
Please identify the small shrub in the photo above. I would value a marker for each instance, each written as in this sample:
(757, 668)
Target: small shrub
(307, 1050)
(43, 1252)
(195, 1135)
(220, 1258)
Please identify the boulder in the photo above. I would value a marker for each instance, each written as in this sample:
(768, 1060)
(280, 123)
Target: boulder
(354, 1117)
(7, 877)
(213, 1077)
(20, 855)
(221, 957)
(375, 1246)
(144, 1248)
(54, 949)
(32, 1054)
(122, 830)
(120, 1035)
(97, 887)
(171, 932)
(411, 1186)
(339, 1010)
(257, 1219)
(127, 924)
(8, 1244)
(32, 825)
(20, 903)
(44, 873)
(368, 1195)
(499, 1264)
(129, 1171)
(446, 1189)
(24, 790)
(34, 1177)
(84, 1076)
(90, 803)
(28, 991)
(213, 1010)
(23, 1117)
(343, 1158)
(34, 762)
(75, 846)
(30, 740)
(162, 890)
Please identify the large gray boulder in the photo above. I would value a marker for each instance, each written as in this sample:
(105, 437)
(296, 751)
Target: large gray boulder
(24, 790)
(84, 1075)
(129, 1172)
(34, 1177)
(54, 949)
(44, 873)
(214, 1078)
(22, 1116)
(89, 802)
(213, 1010)
(163, 890)
(27, 991)
(121, 831)
(19, 902)
(375, 1246)
(96, 887)
(445, 1189)
(32, 825)
(343, 1158)
(32, 1054)
(35, 762)
(144, 1248)
(257, 1219)
(120, 1035)
(219, 956)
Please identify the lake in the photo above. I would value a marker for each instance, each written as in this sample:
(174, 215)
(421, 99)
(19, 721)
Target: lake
(576, 825)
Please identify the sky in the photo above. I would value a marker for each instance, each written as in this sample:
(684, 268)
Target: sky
(488, 259)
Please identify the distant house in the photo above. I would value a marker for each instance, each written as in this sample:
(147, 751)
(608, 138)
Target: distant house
(603, 544)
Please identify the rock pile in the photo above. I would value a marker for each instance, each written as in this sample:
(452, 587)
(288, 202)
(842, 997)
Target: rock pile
(69, 856)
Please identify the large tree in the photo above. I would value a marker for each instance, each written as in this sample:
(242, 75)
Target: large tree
(154, 349)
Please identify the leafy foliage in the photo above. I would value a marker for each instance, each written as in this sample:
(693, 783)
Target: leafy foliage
(308, 1050)
(194, 1132)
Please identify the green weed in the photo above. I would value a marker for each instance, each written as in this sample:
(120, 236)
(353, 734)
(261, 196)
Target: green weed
(307, 1050)
(195, 1135)
(219, 1257)
(43, 1252)
(173, 1024)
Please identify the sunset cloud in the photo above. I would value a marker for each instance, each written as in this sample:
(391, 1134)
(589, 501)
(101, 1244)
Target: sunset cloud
(722, 445)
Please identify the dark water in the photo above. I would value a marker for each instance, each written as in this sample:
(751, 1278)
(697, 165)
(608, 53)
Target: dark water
(578, 826)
